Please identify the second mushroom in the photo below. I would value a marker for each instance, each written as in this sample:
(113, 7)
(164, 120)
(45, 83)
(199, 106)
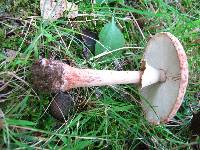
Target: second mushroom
(163, 79)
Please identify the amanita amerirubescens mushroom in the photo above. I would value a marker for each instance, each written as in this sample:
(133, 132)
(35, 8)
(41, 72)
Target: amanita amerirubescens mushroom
(163, 79)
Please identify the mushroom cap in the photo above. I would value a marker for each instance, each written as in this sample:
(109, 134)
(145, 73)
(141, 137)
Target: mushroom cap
(161, 101)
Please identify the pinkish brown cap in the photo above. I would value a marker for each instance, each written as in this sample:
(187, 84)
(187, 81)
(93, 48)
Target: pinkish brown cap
(161, 101)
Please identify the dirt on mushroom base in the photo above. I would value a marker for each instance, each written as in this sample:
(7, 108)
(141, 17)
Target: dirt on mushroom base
(46, 78)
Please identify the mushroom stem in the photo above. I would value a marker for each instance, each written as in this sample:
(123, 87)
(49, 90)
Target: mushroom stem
(152, 75)
(74, 77)
(51, 75)
(55, 76)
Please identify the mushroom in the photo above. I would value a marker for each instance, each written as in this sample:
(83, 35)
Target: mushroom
(164, 52)
(163, 78)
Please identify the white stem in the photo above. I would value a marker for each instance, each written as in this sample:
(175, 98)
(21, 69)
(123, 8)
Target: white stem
(152, 75)
(63, 77)
(74, 77)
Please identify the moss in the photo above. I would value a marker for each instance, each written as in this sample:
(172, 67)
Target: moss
(16, 8)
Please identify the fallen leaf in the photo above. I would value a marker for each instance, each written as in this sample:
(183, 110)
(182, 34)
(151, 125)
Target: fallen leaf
(11, 54)
(196, 41)
(72, 9)
(52, 9)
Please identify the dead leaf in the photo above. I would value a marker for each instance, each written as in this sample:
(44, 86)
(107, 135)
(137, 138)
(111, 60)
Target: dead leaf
(196, 41)
(52, 9)
(72, 10)
(11, 54)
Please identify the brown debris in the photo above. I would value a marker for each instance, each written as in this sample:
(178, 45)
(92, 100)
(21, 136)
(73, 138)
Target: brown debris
(61, 106)
(52, 9)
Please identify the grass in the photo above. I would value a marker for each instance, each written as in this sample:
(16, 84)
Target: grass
(115, 121)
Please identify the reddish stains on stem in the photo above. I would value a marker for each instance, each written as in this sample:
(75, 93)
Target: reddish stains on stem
(56, 76)
(76, 77)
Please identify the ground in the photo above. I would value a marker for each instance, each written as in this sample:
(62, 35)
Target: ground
(107, 117)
